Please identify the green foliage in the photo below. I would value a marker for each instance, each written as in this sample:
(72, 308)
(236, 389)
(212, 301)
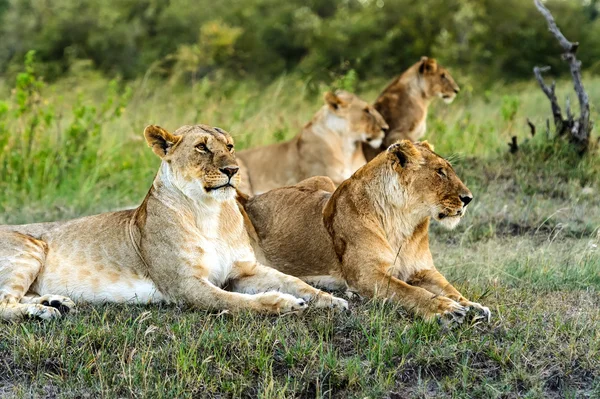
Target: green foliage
(213, 51)
(348, 81)
(32, 159)
(510, 106)
(494, 39)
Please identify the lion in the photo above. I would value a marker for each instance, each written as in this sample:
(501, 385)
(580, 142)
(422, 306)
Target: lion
(404, 102)
(370, 235)
(329, 145)
(184, 243)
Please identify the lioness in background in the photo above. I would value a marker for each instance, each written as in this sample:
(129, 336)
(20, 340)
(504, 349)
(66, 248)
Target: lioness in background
(404, 102)
(371, 233)
(183, 243)
(329, 145)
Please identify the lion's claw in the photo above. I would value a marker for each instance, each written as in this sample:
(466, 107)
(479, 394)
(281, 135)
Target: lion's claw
(479, 311)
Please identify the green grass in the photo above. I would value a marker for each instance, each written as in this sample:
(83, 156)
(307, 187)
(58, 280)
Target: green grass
(528, 248)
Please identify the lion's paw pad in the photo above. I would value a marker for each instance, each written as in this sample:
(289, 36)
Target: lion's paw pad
(42, 312)
(62, 303)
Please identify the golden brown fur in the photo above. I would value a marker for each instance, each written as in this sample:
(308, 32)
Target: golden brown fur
(371, 233)
(183, 243)
(329, 145)
(404, 102)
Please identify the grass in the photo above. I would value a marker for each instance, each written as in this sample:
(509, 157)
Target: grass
(528, 249)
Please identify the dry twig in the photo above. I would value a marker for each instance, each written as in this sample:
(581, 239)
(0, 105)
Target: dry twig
(578, 129)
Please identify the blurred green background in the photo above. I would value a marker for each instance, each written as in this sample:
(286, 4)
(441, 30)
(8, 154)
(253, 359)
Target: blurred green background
(262, 39)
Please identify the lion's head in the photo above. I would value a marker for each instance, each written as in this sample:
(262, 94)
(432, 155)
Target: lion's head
(199, 160)
(437, 80)
(353, 117)
(416, 178)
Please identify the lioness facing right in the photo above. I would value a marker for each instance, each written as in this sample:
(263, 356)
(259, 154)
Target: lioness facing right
(405, 101)
(371, 233)
(329, 145)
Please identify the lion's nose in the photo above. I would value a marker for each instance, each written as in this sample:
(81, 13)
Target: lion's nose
(466, 199)
(456, 90)
(229, 171)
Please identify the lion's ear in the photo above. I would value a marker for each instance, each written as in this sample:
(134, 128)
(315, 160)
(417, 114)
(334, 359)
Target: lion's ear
(333, 100)
(160, 140)
(427, 145)
(406, 152)
(427, 65)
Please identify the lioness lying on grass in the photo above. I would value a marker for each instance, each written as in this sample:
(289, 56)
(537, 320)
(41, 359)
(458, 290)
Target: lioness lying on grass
(183, 243)
(371, 233)
(329, 145)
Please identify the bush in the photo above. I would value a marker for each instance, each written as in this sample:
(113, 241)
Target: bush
(44, 150)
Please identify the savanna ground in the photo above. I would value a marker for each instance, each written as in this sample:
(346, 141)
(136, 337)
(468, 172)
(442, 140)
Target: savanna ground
(528, 249)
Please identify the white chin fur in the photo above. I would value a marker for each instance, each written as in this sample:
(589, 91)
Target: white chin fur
(376, 143)
(449, 222)
(448, 100)
(222, 194)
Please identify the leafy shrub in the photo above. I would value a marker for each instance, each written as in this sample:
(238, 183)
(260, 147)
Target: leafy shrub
(42, 148)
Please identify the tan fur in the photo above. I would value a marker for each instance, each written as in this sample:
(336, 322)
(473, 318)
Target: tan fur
(329, 145)
(371, 233)
(404, 102)
(183, 243)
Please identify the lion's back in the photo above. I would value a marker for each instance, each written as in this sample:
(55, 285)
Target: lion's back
(289, 224)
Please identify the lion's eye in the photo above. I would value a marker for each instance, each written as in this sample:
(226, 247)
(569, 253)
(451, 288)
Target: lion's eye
(202, 148)
(367, 110)
(442, 172)
(230, 147)
(443, 76)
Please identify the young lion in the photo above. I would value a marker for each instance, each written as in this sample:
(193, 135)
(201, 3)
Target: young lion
(371, 233)
(184, 242)
(404, 102)
(329, 145)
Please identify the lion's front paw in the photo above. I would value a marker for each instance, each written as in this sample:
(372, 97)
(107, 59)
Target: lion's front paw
(278, 303)
(478, 311)
(449, 312)
(325, 300)
(62, 303)
(41, 312)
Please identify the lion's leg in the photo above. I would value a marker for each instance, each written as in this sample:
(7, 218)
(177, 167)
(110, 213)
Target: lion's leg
(253, 277)
(201, 293)
(326, 282)
(434, 282)
(415, 299)
(21, 258)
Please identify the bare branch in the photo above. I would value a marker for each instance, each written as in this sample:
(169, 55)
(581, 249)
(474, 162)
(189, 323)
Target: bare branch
(565, 44)
(513, 146)
(550, 93)
(531, 127)
(584, 101)
(579, 129)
